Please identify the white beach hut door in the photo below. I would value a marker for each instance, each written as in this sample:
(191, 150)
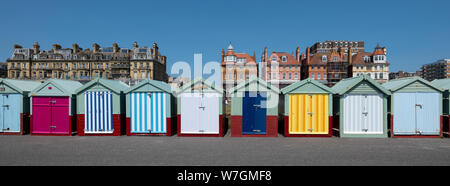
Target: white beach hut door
(190, 113)
(373, 114)
(209, 113)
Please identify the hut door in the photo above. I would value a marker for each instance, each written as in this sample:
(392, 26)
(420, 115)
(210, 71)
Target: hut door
(209, 113)
(11, 112)
(254, 113)
(59, 115)
(308, 114)
(354, 114)
(190, 113)
(427, 113)
(404, 113)
(148, 112)
(98, 112)
(373, 114)
(51, 115)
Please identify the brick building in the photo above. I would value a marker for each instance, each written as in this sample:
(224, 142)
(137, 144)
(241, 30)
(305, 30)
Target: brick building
(436, 70)
(281, 68)
(373, 64)
(402, 74)
(237, 67)
(78, 64)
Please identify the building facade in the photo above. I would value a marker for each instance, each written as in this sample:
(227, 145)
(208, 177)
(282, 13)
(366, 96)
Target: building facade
(373, 64)
(436, 70)
(328, 68)
(3, 70)
(281, 68)
(237, 67)
(329, 46)
(402, 74)
(78, 64)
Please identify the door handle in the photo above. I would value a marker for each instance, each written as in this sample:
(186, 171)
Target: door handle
(310, 113)
(201, 130)
(310, 130)
(257, 106)
(419, 105)
(365, 130)
(52, 101)
(5, 105)
(256, 130)
(53, 127)
(365, 113)
(202, 108)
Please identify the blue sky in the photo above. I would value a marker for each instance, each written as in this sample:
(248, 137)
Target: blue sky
(414, 32)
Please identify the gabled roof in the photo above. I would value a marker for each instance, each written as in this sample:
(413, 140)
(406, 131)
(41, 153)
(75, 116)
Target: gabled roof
(20, 85)
(442, 83)
(158, 84)
(67, 87)
(113, 85)
(191, 86)
(241, 86)
(299, 84)
(346, 85)
(397, 84)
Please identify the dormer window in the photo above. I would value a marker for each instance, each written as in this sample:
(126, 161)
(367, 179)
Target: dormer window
(274, 59)
(324, 58)
(230, 58)
(283, 58)
(366, 59)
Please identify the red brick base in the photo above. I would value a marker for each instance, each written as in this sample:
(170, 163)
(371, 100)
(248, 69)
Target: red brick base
(271, 127)
(416, 136)
(286, 129)
(117, 126)
(222, 129)
(170, 128)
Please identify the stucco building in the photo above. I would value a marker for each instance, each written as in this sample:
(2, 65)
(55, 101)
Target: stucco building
(77, 63)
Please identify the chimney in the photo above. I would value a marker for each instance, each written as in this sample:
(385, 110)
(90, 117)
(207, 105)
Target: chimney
(76, 48)
(223, 55)
(307, 56)
(297, 52)
(135, 45)
(36, 48)
(155, 50)
(16, 46)
(115, 48)
(264, 56)
(56, 47)
(350, 56)
(341, 52)
(302, 57)
(95, 48)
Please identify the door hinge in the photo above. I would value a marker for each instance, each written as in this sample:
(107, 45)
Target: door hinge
(310, 113)
(419, 105)
(256, 130)
(257, 106)
(365, 130)
(53, 127)
(5, 105)
(310, 130)
(365, 113)
(201, 130)
(202, 108)
(52, 101)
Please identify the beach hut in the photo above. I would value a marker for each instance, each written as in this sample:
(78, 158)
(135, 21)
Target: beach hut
(445, 85)
(15, 105)
(150, 109)
(307, 109)
(415, 107)
(200, 109)
(99, 108)
(254, 109)
(360, 108)
(53, 107)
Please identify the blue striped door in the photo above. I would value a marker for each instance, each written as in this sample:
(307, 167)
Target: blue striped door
(2, 111)
(11, 112)
(148, 112)
(254, 113)
(98, 113)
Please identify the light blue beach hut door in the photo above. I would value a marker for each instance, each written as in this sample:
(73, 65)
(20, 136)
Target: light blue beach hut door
(10, 113)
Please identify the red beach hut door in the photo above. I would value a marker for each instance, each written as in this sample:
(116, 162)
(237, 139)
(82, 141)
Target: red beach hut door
(50, 115)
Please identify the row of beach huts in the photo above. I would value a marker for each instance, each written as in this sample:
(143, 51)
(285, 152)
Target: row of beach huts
(354, 107)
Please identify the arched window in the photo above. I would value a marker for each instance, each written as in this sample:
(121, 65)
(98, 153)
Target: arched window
(324, 58)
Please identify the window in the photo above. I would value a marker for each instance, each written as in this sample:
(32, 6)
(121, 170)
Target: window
(283, 58)
(318, 76)
(290, 76)
(284, 75)
(381, 75)
(324, 76)
(313, 76)
(295, 76)
(274, 59)
(335, 58)
(324, 58)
